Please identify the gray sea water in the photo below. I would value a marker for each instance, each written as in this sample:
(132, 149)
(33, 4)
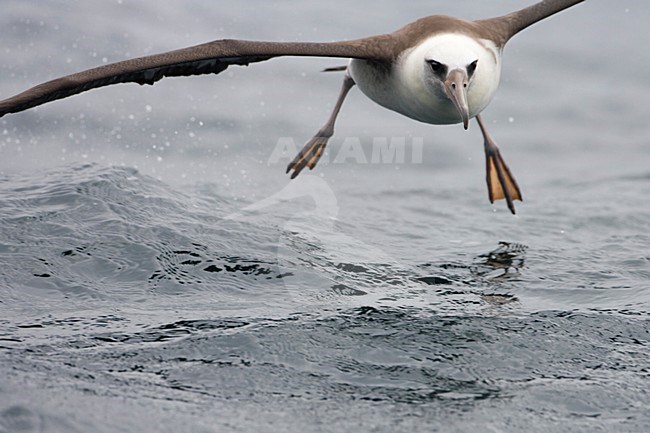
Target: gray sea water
(160, 273)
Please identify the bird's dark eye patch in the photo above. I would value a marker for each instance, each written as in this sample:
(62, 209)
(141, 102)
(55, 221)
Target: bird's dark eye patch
(437, 68)
(471, 68)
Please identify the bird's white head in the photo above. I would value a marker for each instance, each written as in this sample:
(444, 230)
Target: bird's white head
(460, 72)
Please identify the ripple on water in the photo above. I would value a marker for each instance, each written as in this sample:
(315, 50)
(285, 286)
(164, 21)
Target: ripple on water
(119, 285)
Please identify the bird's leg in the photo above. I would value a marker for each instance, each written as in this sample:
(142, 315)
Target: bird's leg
(313, 149)
(501, 184)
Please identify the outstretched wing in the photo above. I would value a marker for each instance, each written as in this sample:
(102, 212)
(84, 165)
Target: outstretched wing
(209, 58)
(503, 28)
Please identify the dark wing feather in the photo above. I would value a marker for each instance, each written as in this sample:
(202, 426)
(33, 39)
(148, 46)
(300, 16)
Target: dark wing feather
(209, 58)
(505, 27)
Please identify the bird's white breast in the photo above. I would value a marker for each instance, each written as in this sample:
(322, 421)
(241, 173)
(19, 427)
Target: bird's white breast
(405, 87)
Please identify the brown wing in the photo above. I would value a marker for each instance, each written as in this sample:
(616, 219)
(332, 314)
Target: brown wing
(209, 58)
(505, 27)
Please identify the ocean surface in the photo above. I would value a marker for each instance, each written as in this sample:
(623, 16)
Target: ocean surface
(160, 273)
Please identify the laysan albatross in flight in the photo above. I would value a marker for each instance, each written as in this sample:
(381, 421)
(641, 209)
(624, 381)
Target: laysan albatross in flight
(438, 70)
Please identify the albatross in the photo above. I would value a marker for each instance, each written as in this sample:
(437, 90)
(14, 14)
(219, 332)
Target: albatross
(438, 69)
